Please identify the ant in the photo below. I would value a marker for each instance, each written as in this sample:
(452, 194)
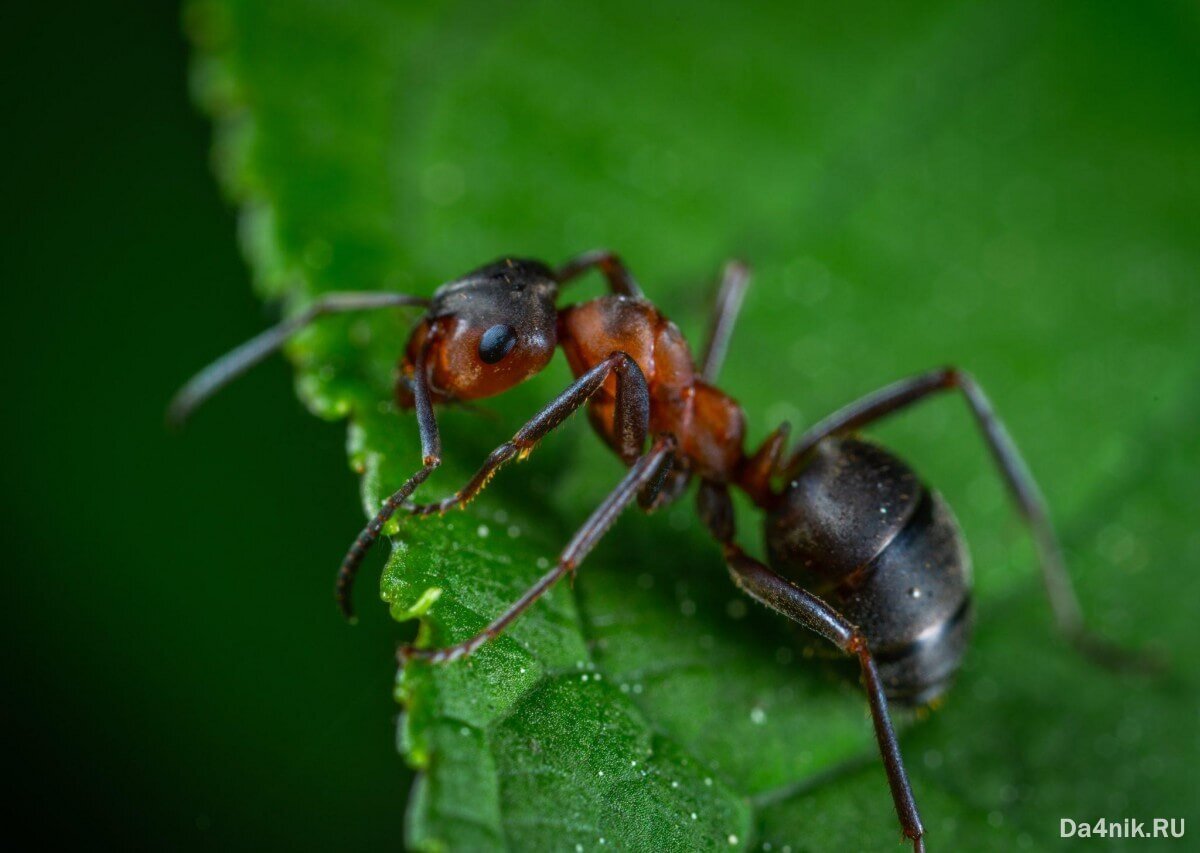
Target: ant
(860, 550)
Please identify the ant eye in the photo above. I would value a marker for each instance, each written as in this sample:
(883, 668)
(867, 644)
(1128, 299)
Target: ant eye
(496, 343)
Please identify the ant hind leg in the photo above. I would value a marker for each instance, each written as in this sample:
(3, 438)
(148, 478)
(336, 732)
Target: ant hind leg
(776, 592)
(1064, 603)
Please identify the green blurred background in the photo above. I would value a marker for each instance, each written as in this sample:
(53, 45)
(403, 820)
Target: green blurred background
(168, 688)
(168, 684)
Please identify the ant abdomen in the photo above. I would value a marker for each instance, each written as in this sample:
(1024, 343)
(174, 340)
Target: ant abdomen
(857, 526)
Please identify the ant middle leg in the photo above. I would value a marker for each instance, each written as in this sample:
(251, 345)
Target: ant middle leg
(645, 474)
(1064, 602)
(781, 595)
(632, 419)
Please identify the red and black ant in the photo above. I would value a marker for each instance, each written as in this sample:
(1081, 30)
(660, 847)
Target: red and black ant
(860, 550)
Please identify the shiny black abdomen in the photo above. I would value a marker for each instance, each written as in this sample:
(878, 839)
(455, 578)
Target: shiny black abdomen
(857, 527)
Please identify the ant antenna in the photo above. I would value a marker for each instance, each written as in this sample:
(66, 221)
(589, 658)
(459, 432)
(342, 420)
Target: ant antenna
(237, 361)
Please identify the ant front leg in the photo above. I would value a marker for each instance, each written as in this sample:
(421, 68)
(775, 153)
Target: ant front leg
(620, 280)
(631, 427)
(1068, 614)
(632, 423)
(781, 595)
(431, 458)
(645, 473)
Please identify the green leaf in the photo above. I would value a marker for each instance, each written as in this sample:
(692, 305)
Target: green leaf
(1010, 188)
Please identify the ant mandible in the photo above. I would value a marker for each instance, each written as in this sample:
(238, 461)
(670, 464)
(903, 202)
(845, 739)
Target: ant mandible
(860, 550)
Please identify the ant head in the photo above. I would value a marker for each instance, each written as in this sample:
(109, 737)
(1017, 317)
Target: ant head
(487, 331)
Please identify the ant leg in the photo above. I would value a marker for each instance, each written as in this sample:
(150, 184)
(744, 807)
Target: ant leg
(734, 281)
(667, 489)
(237, 361)
(1068, 614)
(431, 458)
(756, 471)
(620, 280)
(643, 474)
(632, 425)
(768, 588)
(781, 595)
